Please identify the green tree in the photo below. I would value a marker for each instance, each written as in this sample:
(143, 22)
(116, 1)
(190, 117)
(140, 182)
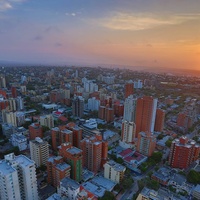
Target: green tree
(193, 177)
(168, 143)
(156, 157)
(107, 196)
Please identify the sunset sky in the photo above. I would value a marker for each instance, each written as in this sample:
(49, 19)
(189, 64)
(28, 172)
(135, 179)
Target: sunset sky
(148, 33)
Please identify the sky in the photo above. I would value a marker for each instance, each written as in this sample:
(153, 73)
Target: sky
(142, 33)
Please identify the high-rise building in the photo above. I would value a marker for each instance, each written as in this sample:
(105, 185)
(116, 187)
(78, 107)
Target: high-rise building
(18, 178)
(118, 109)
(130, 109)
(159, 122)
(183, 152)
(14, 91)
(60, 135)
(35, 130)
(146, 143)
(77, 133)
(128, 89)
(9, 117)
(114, 171)
(94, 152)
(93, 104)
(47, 120)
(19, 140)
(145, 114)
(78, 106)
(128, 131)
(73, 156)
(184, 120)
(57, 169)
(39, 151)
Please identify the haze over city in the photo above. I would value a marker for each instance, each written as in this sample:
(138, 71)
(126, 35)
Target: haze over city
(149, 34)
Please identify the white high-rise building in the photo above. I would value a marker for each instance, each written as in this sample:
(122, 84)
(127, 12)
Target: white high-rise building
(114, 171)
(128, 131)
(19, 103)
(138, 84)
(130, 108)
(18, 178)
(93, 104)
(39, 150)
(47, 120)
(12, 104)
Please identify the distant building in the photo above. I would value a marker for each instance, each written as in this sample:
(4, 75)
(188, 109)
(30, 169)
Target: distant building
(57, 169)
(114, 171)
(183, 152)
(128, 89)
(146, 143)
(78, 106)
(93, 104)
(138, 84)
(130, 109)
(39, 151)
(18, 178)
(159, 122)
(8, 129)
(47, 120)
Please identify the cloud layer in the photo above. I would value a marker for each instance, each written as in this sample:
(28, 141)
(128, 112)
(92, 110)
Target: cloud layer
(135, 22)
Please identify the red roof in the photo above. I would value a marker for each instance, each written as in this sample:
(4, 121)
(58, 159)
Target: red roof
(126, 152)
(62, 118)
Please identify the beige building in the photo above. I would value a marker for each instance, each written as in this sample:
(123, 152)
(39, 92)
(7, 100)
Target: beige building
(47, 120)
(128, 131)
(114, 171)
(9, 117)
(39, 150)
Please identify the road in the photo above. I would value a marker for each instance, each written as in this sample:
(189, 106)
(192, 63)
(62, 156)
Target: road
(130, 192)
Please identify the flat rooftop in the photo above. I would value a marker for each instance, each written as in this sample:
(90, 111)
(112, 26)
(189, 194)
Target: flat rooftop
(118, 167)
(5, 168)
(103, 182)
(96, 190)
(74, 150)
(68, 182)
(24, 161)
(62, 166)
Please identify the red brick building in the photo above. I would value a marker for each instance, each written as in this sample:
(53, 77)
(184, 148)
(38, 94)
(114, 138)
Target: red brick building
(57, 169)
(128, 89)
(60, 135)
(77, 133)
(35, 130)
(73, 156)
(159, 122)
(94, 152)
(183, 152)
(145, 114)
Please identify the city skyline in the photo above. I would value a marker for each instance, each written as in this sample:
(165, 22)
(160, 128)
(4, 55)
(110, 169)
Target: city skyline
(151, 34)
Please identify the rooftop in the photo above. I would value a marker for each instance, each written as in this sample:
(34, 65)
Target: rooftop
(68, 182)
(62, 166)
(6, 168)
(96, 190)
(74, 150)
(103, 182)
(116, 166)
